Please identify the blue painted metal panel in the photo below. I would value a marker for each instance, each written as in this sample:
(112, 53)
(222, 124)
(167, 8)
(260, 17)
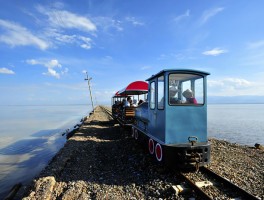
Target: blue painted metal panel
(185, 121)
(157, 124)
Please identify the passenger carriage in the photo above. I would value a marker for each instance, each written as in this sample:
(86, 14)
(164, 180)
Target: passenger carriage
(116, 104)
(123, 114)
(174, 120)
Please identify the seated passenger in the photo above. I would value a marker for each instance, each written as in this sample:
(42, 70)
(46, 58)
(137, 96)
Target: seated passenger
(172, 95)
(134, 103)
(140, 102)
(188, 94)
(128, 102)
(123, 103)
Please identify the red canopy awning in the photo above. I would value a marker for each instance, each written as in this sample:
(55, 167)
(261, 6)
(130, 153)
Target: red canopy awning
(135, 88)
(119, 95)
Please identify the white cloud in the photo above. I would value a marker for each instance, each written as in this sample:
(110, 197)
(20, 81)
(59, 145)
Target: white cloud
(108, 23)
(84, 42)
(51, 65)
(134, 21)
(6, 71)
(86, 46)
(234, 87)
(68, 20)
(233, 82)
(214, 52)
(32, 62)
(183, 16)
(16, 35)
(52, 72)
(210, 13)
(66, 38)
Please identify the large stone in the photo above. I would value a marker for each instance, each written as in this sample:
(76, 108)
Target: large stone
(203, 184)
(43, 188)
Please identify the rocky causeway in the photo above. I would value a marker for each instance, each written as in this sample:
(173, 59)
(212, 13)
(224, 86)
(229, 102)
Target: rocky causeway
(103, 161)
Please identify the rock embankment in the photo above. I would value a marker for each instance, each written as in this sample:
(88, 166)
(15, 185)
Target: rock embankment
(102, 161)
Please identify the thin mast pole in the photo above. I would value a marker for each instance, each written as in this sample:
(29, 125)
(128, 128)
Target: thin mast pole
(89, 79)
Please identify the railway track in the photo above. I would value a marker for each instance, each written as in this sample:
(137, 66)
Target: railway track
(209, 185)
(107, 110)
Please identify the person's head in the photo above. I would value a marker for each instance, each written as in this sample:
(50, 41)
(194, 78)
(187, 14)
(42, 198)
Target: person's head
(188, 94)
(140, 101)
(129, 99)
(172, 91)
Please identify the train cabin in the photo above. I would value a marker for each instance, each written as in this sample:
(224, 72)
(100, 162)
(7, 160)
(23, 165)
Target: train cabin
(173, 121)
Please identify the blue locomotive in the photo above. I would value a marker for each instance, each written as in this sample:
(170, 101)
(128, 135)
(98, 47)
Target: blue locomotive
(173, 120)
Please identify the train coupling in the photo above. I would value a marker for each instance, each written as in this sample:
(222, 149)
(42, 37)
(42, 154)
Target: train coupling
(195, 158)
(192, 139)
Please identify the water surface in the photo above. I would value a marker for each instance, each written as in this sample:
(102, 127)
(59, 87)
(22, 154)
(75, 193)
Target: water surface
(30, 136)
(238, 123)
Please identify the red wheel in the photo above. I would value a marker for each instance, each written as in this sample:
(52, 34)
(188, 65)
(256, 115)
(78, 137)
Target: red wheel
(151, 146)
(158, 152)
(136, 134)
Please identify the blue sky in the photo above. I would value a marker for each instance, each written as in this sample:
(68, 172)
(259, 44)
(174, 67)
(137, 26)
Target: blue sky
(46, 46)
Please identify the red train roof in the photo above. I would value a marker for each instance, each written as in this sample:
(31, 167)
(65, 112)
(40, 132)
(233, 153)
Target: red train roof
(135, 88)
(119, 95)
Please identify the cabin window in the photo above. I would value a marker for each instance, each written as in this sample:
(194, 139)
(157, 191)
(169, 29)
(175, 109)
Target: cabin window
(186, 89)
(199, 91)
(152, 95)
(161, 92)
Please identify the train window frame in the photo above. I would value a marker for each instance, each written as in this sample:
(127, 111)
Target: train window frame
(152, 105)
(161, 102)
(180, 88)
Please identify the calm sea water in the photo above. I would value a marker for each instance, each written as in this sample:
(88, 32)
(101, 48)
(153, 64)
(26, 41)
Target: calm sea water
(237, 123)
(30, 136)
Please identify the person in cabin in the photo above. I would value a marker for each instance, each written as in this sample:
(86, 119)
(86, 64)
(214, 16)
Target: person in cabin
(134, 103)
(173, 99)
(123, 103)
(128, 102)
(140, 102)
(188, 94)
(172, 95)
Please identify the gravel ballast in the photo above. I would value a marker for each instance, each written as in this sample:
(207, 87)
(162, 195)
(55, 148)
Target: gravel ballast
(102, 161)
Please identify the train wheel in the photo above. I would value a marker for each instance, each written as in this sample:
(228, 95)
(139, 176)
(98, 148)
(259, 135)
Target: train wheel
(151, 146)
(158, 152)
(132, 132)
(136, 134)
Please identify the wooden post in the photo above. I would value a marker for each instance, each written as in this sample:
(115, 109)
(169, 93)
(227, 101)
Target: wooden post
(89, 79)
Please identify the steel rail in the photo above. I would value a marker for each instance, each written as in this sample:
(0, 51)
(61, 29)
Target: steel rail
(106, 111)
(243, 193)
(199, 191)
